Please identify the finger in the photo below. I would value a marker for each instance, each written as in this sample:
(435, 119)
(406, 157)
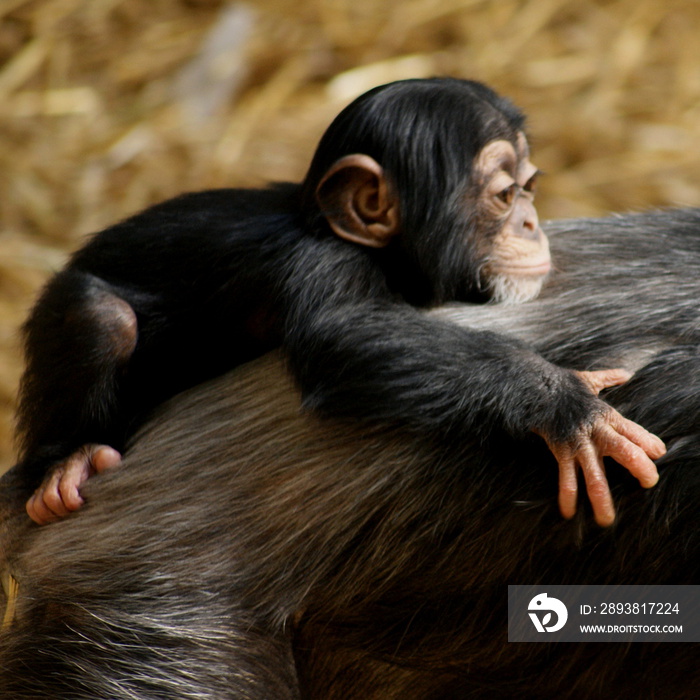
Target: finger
(68, 488)
(45, 504)
(632, 457)
(597, 486)
(37, 510)
(76, 471)
(613, 377)
(568, 486)
(598, 380)
(651, 444)
(51, 495)
(104, 457)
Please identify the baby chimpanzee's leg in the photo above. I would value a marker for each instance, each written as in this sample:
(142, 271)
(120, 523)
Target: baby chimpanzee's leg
(78, 342)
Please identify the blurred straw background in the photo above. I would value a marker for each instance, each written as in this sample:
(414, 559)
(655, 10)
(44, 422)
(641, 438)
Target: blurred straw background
(109, 105)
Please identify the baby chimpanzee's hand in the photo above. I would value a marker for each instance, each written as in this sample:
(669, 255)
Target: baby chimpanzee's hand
(610, 435)
(59, 493)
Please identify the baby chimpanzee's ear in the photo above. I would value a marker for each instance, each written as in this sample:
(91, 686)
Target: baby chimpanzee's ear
(358, 203)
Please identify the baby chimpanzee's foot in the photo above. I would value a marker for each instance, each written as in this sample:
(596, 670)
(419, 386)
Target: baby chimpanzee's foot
(59, 493)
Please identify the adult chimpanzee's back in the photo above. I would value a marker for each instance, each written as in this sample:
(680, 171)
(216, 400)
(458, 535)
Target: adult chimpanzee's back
(246, 549)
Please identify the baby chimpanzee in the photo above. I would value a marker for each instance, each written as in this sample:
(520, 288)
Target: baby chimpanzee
(420, 192)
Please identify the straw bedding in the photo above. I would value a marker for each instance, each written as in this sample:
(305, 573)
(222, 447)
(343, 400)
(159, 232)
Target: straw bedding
(109, 105)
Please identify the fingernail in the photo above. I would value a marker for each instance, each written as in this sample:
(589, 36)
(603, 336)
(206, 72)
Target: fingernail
(606, 521)
(652, 481)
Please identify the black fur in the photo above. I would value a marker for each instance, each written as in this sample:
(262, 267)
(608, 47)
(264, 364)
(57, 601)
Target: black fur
(217, 278)
(248, 550)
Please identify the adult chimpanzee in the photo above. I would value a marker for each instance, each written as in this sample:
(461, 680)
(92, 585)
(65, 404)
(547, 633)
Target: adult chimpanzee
(288, 557)
(420, 192)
